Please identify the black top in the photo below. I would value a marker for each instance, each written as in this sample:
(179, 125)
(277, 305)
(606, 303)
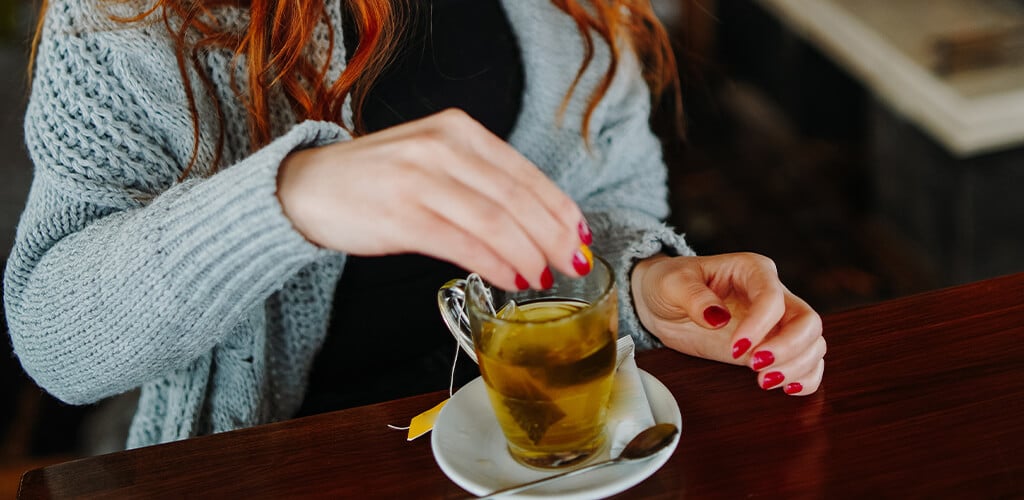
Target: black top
(386, 338)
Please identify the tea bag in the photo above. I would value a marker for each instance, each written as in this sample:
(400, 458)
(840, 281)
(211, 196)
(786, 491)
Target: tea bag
(533, 411)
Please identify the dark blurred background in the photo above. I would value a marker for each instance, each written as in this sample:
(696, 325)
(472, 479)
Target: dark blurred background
(787, 153)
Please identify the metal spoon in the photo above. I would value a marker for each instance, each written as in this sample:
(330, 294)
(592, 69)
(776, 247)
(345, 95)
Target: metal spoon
(650, 441)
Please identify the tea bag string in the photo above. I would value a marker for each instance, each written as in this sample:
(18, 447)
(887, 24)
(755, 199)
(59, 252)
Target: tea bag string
(451, 385)
(473, 281)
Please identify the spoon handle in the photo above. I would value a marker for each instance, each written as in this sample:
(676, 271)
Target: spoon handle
(544, 480)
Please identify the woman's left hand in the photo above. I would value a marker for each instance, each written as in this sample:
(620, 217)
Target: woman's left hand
(732, 308)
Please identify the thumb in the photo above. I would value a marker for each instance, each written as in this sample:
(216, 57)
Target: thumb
(704, 306)
(690, 292)
(674, 289)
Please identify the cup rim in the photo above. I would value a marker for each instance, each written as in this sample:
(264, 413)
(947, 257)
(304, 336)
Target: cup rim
(605, 293)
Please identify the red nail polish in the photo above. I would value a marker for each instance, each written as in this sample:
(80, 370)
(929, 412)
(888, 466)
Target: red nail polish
(546, 280)
(716, 316)
(793, 388)
(772, 379)
(740, 347)
(521, 282)
(580, 263)
(762, 359)
(585, 235)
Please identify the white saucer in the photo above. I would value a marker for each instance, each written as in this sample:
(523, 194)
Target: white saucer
(470, 449)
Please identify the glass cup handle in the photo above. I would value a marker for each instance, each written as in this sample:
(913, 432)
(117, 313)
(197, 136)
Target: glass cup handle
(451, 300)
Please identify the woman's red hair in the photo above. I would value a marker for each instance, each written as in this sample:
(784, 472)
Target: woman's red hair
(275, 49)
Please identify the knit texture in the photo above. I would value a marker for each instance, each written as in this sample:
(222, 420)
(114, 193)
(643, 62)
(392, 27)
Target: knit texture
(200, 291)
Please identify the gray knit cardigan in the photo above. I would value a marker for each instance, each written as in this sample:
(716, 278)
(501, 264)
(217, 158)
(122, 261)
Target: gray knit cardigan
(200, 292)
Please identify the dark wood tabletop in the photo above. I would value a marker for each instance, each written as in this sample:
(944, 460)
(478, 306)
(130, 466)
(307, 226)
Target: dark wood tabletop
(923, 397)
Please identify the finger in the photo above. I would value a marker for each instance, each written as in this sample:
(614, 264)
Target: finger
(799, 329)
(807, 384)
(442, 240)
(552, 198)
(798, 370)
(466, 150)
(477, 214)
(758, 281)
(683, 293)
(559, 244)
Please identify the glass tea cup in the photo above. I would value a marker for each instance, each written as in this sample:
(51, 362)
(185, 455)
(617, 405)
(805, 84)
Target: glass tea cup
(547, 358)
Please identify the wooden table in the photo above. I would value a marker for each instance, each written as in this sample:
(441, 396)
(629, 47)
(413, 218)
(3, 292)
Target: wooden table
(923, 397)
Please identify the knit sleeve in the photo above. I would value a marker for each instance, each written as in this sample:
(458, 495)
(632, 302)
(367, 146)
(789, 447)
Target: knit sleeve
(119, 273)
(627, 202)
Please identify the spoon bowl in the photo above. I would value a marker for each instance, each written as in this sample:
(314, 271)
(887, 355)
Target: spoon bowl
(645, 445)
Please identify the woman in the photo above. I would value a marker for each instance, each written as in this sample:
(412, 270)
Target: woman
(214, 178)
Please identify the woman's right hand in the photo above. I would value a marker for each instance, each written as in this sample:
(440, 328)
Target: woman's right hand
(442, 186)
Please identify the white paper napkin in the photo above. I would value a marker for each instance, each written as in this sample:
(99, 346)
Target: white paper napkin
(629, 411)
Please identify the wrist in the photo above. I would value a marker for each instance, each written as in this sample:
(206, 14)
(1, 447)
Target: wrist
(641, 268)
(292, 193)
(637, 288)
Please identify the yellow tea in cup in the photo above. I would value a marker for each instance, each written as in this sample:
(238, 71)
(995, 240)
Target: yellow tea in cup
(548, 359)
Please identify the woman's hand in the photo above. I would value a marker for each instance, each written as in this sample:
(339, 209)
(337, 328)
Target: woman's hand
(442, 186)
(732, 308)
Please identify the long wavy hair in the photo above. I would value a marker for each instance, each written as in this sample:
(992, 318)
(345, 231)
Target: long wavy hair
(275, 44)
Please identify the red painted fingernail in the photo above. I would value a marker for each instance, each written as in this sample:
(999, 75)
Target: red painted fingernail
(716, 316)
(521, 282)
(740, 347)
(762, 359)
(793, 388)
(581, 260)
(546, 280)
(772, 379)
(585, 235)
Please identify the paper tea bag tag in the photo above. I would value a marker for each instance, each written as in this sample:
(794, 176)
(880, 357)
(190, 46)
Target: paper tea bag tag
(424, 422)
